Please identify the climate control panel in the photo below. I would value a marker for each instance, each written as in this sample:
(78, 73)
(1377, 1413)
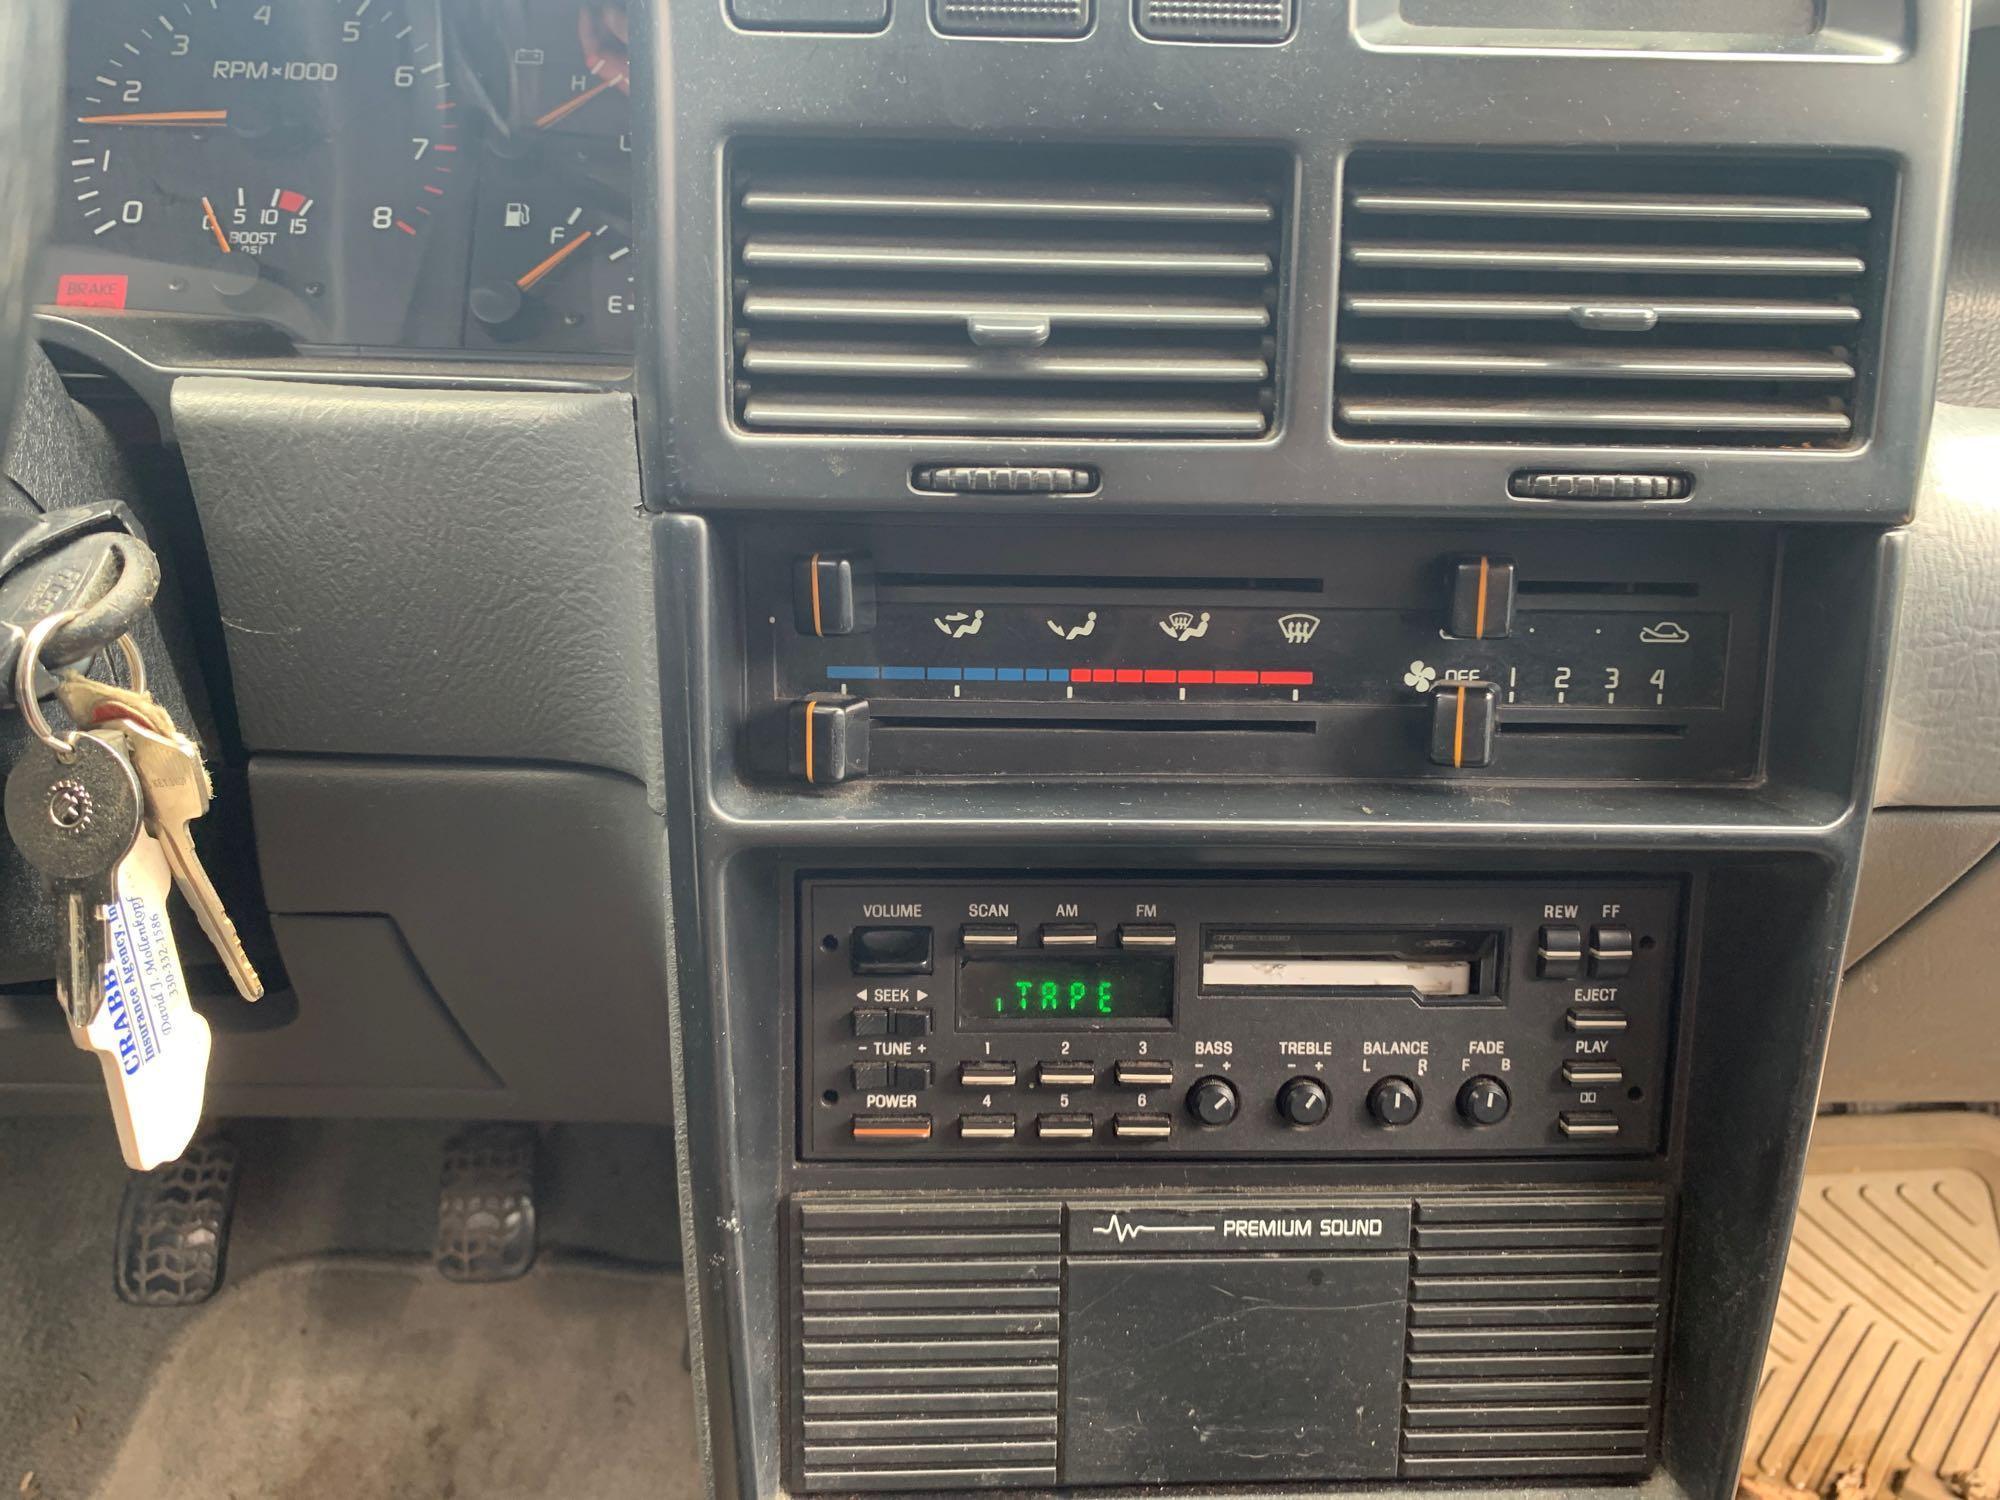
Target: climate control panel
(1508, 653)
(1264, 1017)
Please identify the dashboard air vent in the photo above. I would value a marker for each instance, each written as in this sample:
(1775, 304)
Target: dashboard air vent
(1610, 300)
(968, 292)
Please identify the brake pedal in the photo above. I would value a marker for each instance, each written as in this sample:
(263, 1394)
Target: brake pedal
(173, 1228)
(486, 1204)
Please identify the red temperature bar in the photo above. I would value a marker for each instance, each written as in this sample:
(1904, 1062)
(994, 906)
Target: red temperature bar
(1191, 676)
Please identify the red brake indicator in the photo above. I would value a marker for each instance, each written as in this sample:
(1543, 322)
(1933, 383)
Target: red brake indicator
(90, 291)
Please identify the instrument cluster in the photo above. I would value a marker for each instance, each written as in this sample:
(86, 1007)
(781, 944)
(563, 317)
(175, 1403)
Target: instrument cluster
(369, 174)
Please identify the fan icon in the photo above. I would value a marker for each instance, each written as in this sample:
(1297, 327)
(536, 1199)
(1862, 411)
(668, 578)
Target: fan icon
(1420, 677)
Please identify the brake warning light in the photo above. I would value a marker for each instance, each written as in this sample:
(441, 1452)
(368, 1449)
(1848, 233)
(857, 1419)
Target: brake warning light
(90, 291)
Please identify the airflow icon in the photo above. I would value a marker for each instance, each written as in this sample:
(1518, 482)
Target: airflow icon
(1298, 628)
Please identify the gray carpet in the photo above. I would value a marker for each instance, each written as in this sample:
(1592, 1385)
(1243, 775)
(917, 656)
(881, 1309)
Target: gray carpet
(334, 1362)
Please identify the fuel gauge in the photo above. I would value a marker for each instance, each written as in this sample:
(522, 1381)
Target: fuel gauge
(551, 264)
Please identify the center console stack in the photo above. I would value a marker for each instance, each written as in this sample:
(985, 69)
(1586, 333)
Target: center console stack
(1276, 635)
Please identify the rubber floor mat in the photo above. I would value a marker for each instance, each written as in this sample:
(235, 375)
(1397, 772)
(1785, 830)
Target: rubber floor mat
(1883, 1374)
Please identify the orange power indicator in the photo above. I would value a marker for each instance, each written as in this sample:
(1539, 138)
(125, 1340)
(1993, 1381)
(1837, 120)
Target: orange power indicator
(892, 1130)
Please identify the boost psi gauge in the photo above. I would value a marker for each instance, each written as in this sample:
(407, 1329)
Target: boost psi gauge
(235, 157)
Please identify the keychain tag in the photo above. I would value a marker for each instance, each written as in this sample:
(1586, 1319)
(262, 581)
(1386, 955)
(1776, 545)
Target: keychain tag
(152, 1046)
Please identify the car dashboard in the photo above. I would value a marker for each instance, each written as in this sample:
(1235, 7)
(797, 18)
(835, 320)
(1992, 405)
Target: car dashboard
(1196, 685)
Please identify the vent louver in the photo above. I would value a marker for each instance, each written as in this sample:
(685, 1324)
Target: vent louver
(1610, 301)
(930, 1346)
(967, 292)
(1532, 1334)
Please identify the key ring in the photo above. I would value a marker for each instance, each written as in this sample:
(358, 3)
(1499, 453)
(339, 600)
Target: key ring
(24, 679)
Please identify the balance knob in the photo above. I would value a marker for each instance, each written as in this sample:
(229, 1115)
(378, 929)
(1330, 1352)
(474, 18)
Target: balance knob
(1212, 1101)
(1484, 1101)
(1394, 1101)
(1303, 1101)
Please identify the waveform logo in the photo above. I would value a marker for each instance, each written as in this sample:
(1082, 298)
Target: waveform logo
(1124, 1232)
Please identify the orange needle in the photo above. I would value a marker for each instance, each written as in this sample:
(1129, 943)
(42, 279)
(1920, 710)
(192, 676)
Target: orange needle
(570, 106)
(160, 117)
(214, 224)
(538, 272)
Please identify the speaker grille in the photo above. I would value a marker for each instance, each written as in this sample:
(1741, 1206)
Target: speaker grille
(1533, 1336)
(930, 1346)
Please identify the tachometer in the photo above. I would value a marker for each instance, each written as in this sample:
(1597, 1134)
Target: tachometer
(282, 159)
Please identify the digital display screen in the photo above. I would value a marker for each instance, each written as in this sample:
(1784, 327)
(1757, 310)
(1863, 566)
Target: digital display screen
(1097, 993)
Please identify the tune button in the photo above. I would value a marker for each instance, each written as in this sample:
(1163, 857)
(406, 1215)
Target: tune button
(1394, 1101)
(1213, 1101)
(1484, 1101)
(1303, 1101)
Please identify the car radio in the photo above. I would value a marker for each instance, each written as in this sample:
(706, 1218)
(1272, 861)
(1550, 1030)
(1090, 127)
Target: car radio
(1271, 1018)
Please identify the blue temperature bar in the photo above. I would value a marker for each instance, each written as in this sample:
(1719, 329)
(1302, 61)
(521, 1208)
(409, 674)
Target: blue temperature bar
(947, 674)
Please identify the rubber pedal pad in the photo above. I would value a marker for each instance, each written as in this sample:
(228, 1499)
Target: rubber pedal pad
(173, 1228)
(486, 1204)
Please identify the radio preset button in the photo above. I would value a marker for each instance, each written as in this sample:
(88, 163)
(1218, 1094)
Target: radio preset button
(1484, 1101)
(1065, 1127)
(986, 1127)
(1213, 1101)
(1076, 1075)
(988, 937)
(890, 950)
(988, 1075)
(1560, 955)
(1595, 1021)
(1587, 1123)
(1611, 952)
(1394, 1101)
(1144, 1073)
(1142, 1127)
(889, 1129)
(1069, 935)
(1141, 935)
(1303, 1101)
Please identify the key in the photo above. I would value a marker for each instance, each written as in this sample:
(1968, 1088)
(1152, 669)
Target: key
(177, 791)
(176, 788)
(75, 815)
